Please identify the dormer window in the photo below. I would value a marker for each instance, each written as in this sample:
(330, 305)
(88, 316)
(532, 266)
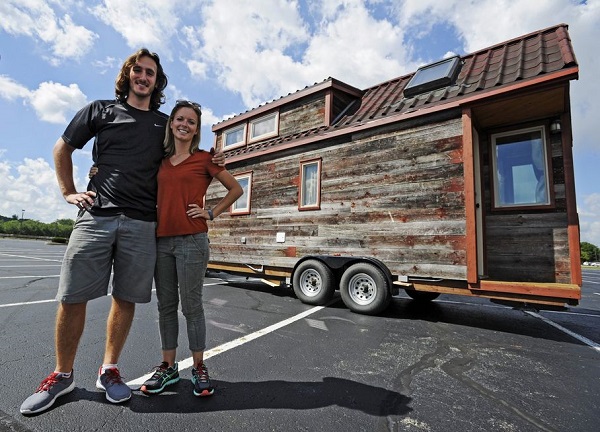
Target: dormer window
(264, 127)
(234, 137)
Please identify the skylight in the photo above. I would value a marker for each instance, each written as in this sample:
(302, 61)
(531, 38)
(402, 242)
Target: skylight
(433, 76)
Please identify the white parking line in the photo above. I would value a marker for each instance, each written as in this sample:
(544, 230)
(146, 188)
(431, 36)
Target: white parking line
(583, 339)
(579, 314)
(30, 257)
(27, 303)
(188, 362)
(51, 300)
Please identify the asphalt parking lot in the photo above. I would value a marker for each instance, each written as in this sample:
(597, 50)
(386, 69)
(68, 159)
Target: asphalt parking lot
(458, 364)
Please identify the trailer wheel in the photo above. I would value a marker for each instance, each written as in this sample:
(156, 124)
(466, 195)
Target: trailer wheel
(364, 289)
(314, 282)
(422, 295)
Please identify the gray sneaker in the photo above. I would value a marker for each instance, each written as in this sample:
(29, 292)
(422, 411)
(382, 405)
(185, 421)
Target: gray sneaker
(110, 381)
(49, 390)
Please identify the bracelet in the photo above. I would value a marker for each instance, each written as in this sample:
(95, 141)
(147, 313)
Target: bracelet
(210, 214)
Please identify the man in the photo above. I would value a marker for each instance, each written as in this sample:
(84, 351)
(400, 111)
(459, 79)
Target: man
(115, 227)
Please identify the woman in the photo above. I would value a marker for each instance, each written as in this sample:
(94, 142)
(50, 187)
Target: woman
(182, 243)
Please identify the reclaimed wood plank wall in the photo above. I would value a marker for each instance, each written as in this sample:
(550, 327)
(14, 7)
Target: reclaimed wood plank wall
(396, 196)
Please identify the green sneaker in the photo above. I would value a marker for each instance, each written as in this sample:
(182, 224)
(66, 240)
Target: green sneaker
(163, 376)
(201, 381)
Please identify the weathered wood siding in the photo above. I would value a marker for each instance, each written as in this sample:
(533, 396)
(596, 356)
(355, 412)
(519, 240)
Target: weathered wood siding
(304, 115)
(397, 196)
(529, 246)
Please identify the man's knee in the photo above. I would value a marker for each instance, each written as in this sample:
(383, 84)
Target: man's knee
(122, 304)
(70, 309)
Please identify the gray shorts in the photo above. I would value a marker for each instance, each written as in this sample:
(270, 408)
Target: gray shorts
(99, 244)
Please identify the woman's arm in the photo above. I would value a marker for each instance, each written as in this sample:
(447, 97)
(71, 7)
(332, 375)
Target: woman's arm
(234, 191)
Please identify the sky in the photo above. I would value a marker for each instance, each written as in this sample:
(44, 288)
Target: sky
(234, 55)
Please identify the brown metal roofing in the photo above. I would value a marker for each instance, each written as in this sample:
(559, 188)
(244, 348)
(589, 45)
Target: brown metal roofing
(521, 59)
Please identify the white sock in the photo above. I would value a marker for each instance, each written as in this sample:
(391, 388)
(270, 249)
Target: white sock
(108, 366)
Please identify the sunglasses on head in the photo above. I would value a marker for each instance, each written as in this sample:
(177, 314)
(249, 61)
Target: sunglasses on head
(184, 102)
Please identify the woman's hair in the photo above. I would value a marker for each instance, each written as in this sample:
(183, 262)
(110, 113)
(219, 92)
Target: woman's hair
(122, 81)
(169, 142)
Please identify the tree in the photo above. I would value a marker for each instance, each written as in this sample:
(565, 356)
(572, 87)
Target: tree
(589, 252)
(28, 227)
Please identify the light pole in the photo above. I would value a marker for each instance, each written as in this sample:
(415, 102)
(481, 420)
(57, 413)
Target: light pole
(22, 214)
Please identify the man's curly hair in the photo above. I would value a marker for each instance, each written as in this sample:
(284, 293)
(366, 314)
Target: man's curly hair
(122, 81)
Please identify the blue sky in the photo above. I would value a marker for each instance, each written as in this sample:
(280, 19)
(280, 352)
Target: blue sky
(233, 55)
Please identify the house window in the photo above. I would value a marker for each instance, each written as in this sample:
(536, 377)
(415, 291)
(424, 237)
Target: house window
(234, 137)
(520, 168)
(310, 185)
(242, 205)
(264, 127)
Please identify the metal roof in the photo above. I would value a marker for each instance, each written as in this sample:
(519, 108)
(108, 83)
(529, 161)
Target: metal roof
(516, 61)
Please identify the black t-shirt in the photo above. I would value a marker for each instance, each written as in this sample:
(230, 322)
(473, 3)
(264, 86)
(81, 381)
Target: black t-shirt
(128, 149)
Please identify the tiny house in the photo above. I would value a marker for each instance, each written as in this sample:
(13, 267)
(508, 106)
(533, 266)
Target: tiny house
(455, 179)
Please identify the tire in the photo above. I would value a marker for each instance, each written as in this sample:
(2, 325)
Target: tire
(365, 289)
(422, 296)
(313, 283)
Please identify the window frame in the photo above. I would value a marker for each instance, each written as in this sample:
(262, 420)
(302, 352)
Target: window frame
(238, 143)
(547, 164)
(301, 185)
(246, 209)
(251, 124)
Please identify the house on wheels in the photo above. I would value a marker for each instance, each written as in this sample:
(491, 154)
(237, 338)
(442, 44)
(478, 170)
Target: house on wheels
(455, 179)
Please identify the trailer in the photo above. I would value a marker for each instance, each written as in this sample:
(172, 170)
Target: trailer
(455, 179)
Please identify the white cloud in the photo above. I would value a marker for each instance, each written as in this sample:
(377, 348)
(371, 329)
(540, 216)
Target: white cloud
(585, 32)
(589, 219)
(268, 55)
(209, 118)
(353, 46)
(37, 19)
(103, 66)
(70, 40)
(247, 52)
(32, 186)
(52, 101)
(145, 23)
(11, 90)
(197, 69)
